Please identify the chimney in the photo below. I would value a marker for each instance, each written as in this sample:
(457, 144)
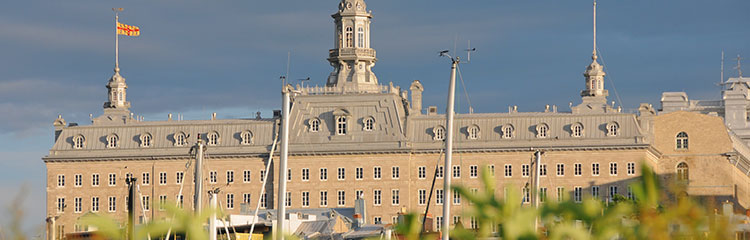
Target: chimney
(169, 117)
(432, 110)
(359, 209)
(416, 97)
(357, 221)
(213, 116)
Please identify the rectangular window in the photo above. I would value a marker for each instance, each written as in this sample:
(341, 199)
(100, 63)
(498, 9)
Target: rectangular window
(78, 180)
(631, 168)
(395, 200)
(162, 178)
(262, 175)
(577, 192)
(376, 197)
(341, 198)
(305, 174)
(180, 200)
(560, 169)
(542, 194)
(305, 199)
(95, 204)
(146, 178)
(230, 200)
(324, 174)
(112, 179)
(146, 201)
(474, 223)
(613, 169)
(162, 202)
(60, 205)
(112, 204)
(213, 177)
(376, 173)
(77, 205)
(377, 220)
(595, 169)
(95, 179)
(422, 172)
(456, 219)
(246, 198)
(543, 170)
(359, 173)
(473, 171)
(439, 197)
(577, 169)
(438, 223)
(595, 191)
(492, 170)
(560, 193)
(630, 193)
(264, 200)
(341, 174)
(341, 125)
(440, 172)
(456, 198)
(394, 172)
(288, 200)
(525, 170)
(323, 198)
(508, 170)
(230, 176)
(288, 174)
(246, 177)
(422, 196)
(456, 171)
(179, 176)
(526, 195)
(474, 192)
(394, 220)
(358, 194)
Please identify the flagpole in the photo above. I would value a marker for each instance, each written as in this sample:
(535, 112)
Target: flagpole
(117, 39)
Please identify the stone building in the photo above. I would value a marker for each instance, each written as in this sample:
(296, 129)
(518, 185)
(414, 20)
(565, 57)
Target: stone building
(358, 138)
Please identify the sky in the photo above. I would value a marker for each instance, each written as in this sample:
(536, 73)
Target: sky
(198, 57)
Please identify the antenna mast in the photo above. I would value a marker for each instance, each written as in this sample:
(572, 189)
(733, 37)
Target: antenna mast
(594, 53)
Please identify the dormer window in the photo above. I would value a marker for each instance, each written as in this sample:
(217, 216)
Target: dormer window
(613, 129)
(682, 141)
(246, 138)
(112, 141)
(180, 139)
(369, 124)
(438, 133)
(542, 130)
(314, 125)
(213, 139)
(507, 131)
(473, 132)
(341, 125)
(146, 140)
(79, 142)
(576, 130)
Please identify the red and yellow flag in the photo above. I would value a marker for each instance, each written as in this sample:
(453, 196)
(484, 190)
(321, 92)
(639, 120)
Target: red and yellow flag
(124, 29)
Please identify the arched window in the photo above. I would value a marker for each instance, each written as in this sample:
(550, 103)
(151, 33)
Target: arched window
(314, 125)
(576, 130)
(613, 129)
(542, 131)
(360, 37)
(180, 139)
(682, 172)
(112, 141)
(341, 125)
(79, 142)
(146, 140)
(438, 133)
(507, 131)
(473, 132)
(213, 139)
(682, 141)
(369, 124)
(349, 37)
(246, 138)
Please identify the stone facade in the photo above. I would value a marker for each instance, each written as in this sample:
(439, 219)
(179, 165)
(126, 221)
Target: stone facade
(357, 135)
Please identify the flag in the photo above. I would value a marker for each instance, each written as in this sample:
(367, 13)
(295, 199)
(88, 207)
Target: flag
(124, 29)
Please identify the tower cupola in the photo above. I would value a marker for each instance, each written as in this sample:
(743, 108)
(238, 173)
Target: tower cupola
(352, 58)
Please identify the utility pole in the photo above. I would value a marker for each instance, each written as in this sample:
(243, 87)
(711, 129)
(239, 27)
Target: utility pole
(198, 176)
(281, 213)
(448, 147)
(131, 182)
(537, 170)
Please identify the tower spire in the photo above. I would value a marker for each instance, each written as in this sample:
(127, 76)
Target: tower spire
(594, 95)
(116, 87)
(593, 55)
(739, 66)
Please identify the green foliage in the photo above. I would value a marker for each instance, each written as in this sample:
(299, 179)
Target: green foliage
(650, 216)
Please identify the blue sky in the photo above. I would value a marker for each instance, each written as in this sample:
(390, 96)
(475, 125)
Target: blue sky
(197, 57)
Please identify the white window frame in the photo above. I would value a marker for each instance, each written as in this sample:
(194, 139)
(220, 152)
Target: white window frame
(438, 133)
(542, 130)
(613, 169)
(395, 197)
(421, 172)
(377, 172)
(631, 168)
(230, 200)
(341, 125)
(246, 137)
(305, 195)
(576, 130)
(525, 170)
(230, 176)
(78, 180)
(213, 139)
(595, 168)
(113, 141)
(507, 131)
(323, 198)
(577, 169)
(508, 170)
(305, 175)
(112, 204)
(422, 197)
(341, 174)
(112, 179)
(369, 124)
(377, 197)
(341, 198)
(472, 132)
(613, 129)
(560, 170)
(456, 171)
(359, 173)
(314, 125)
(79, 142)
(395, 172)
(162, 178)
(146, 140)
(473, 171)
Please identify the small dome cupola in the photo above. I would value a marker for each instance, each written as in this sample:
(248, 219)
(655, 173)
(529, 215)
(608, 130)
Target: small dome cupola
(352, 58)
